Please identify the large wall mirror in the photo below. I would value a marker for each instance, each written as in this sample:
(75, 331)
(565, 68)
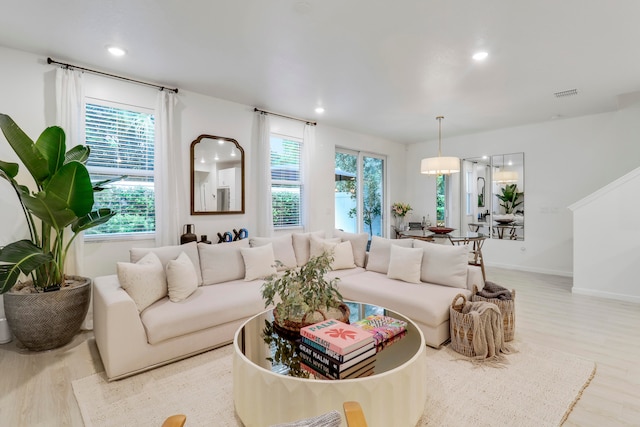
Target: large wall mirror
(217, 176)
(493, 195)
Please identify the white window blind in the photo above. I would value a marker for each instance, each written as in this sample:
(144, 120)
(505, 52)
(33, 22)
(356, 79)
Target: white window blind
(286, 181)
(122, 144)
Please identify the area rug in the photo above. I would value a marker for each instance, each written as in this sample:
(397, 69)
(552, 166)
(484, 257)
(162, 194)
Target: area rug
(538, 387)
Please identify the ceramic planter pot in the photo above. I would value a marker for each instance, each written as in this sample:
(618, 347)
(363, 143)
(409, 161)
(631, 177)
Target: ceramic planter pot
(47, 320)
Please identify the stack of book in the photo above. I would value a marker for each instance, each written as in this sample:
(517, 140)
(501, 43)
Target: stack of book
(385, 330)
(336, 350)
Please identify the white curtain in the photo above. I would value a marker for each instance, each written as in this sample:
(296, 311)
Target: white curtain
(168, 182)
(308, 146)
(70, 117)
(263, 157)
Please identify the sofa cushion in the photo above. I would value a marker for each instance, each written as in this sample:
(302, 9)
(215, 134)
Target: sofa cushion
(259, 262)
(422, 302)
(342, 255)
(319, 245)
(282, 249)
(168, 253)
(222, 262)
(444, 264)
(182, 279)
(144, 281)
(207, 307)
(379, 252)
(301, 245)
(358, 244)
(405, 263)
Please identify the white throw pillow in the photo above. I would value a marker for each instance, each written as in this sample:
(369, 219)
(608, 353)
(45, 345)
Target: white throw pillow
(379, 253)
(444, 264)
(358, 244)
(317, 245)
(342, 255)
(182, 279)
(259, 262)
(169, 253)
(302, 245)
(405, 263)
(222, 262)
(144, 281)
(282, 249)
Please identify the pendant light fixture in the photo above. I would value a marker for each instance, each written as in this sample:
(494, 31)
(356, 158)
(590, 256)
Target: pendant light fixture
(440, 165)
(504, 176)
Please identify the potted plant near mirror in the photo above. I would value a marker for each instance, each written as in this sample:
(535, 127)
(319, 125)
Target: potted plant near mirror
(45, 307)
(305, 296)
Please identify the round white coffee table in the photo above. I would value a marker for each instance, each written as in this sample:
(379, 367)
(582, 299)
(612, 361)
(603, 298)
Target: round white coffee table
(267, 393)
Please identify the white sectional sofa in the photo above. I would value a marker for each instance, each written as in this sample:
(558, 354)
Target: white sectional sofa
(176, 301)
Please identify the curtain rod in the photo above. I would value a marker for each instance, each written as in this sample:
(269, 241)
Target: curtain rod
(309, 122)
(51, 61)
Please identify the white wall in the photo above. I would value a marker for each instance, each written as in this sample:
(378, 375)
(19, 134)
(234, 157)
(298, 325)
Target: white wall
(606, 257)
(565, 160)
(28, 83)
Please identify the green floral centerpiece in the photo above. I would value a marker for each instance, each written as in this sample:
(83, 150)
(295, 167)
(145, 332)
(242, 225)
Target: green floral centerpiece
(303, 295)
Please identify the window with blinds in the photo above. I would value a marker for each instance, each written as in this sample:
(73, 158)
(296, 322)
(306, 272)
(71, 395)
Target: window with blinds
(122, 145)
(286, 181)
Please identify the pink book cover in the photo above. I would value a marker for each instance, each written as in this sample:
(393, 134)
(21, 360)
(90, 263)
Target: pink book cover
(383, 328)
(337, 336)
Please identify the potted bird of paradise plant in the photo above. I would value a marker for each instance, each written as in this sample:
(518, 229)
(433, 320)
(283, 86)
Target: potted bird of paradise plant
(44, 306)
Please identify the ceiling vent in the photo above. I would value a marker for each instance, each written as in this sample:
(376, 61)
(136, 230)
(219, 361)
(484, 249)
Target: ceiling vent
(564, 93)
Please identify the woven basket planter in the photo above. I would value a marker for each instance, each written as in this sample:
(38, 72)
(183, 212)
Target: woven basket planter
(292, 327)
(47, 320)
(508, 310)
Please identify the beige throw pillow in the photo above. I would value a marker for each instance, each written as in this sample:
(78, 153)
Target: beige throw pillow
(168, 253)
(379, 253)
(301, 245)
(342, 255)
(144, 281)
(405, 263)
(317, 245)
(282, 249)
(259, 262)
(358, 244)
(444, 264)
(222, 262)
(182, 279)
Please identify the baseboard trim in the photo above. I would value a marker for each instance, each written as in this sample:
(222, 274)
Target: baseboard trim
(604, 294)
(530, 269)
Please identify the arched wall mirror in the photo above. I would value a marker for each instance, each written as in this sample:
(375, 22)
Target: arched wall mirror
(493, 195)
(217, 176)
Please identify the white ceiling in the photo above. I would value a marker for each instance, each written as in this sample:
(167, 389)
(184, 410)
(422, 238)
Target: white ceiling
(380, 67)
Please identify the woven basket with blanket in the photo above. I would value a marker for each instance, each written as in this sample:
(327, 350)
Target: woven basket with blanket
(476, 329)
(505, 300)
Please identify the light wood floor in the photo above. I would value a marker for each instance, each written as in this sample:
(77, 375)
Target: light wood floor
(35, 389)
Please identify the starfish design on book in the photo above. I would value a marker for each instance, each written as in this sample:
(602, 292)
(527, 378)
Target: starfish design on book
(341, 333)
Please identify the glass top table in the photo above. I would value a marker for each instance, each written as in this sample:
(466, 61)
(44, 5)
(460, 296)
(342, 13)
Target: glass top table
(269, 387)
(261, 343)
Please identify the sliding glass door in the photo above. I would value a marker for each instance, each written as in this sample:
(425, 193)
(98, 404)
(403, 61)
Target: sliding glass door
(359, 192)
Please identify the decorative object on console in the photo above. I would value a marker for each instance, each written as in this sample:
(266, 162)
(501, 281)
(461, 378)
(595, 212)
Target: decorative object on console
(399, 211)
(440, 165)
(306, 296)
(188, 234)
(48, 310)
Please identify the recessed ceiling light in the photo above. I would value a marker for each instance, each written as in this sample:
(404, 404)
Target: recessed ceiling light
(116, 51)
(480, 56)
(319, 110)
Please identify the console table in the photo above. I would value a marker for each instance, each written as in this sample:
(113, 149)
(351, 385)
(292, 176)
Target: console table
(266, 392)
